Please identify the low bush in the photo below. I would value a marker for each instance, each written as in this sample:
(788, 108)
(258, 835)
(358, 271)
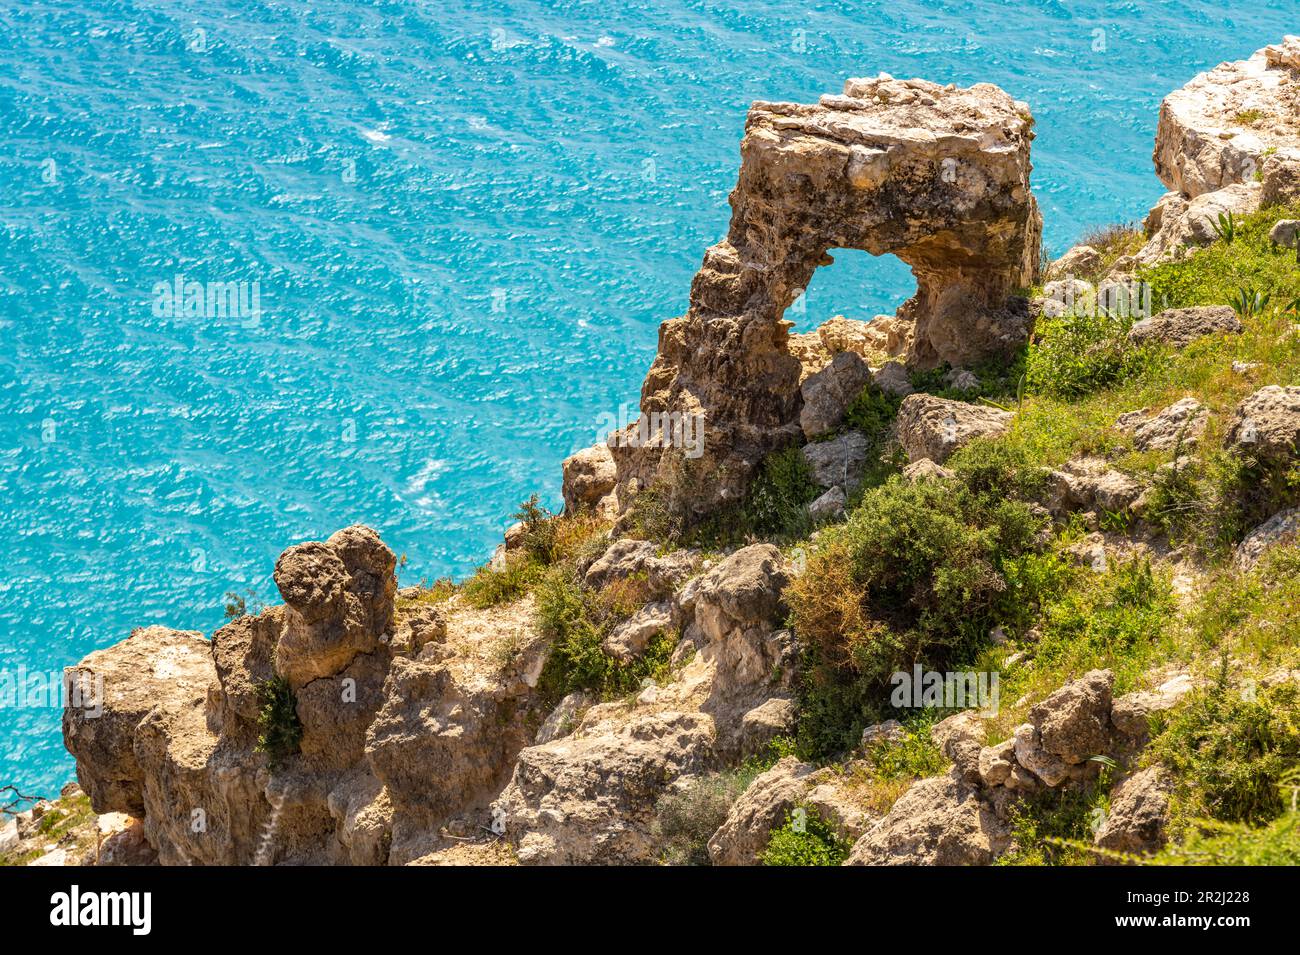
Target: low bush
(280, 732)
(805, 840)
(1229, 750)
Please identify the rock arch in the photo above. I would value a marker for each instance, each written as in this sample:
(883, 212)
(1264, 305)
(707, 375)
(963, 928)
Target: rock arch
(936, 175)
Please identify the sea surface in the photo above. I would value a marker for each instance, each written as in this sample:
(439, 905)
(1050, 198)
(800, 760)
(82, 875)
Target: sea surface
(421, 250)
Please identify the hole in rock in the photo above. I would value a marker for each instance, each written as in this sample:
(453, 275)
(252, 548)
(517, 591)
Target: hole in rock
(858, 285)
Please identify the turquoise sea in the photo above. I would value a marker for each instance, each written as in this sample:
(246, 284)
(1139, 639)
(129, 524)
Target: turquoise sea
(429, 244)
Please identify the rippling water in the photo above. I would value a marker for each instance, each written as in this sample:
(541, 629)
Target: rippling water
(461, 223)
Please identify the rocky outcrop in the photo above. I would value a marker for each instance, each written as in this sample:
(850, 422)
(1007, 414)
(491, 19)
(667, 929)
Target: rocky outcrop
(1266, 425)
(1138, 815)
(760, 809)
(1090, 484)
(1181, 424)
(828, 393)
(1225, 144)
(588, 796)
(404, 719)
(588, 480)
(1217, 129)
(1280, 529)
(1182, 326)
(934, 428)
(938, 821)
(839, 462)
(938, 176)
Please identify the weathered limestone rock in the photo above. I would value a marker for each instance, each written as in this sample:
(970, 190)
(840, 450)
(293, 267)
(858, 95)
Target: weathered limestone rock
(1131, 713)
(564, 718)
(1182, 423)
(828, 393)
(890, 731)
(838, 462)
(1074, 722)
(892, 379)
(625, 559)
(339, 599)
(1216, 130)
(589, 479)
(629, 640)
(156, 674)
(589, 797)
(938, 821)
(1182, 326)
(930, 427)
(996, 762)
(938, 176)
(1280, 184)
(760, 809)
(1267, 425)
(1281, 528)
(1079, 261)
(765, 722)
(828, 505)
(1091, 484)
(926, 470)
(1139, 812)
(1187, 224)
(1284, 232)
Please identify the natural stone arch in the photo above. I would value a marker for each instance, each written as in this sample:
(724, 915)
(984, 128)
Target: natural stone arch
(938, 176)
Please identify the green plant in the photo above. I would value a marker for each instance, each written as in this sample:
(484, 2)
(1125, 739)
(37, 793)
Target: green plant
(805, 839)
(241, 605)
(1248, 302)
(277, 720)
(687, 816)
(1078, 354)
(1230, 751)
(1225, 227)
(915, 575)
(577, 620)
(1055, 826)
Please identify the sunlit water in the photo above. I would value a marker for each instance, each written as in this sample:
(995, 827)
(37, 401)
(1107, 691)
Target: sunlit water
(464, 221)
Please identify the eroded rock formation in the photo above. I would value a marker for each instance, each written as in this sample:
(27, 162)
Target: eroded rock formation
(938, 176)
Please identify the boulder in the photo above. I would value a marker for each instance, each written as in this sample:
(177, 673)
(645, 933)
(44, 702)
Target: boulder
(839, 462)
(1187, 224)
(1079, 260)
(1181, 424)
(1282, 528)
(828, 393)
(1138, 815)
(1266, 425)
(938, 821)
(1074, 721)
(589, 798)
(892, 378)
(926, 470)
(339, 599)
(763, 806)
(1091, 484)
(588, 480)
(1131, 713)
(934, 428)
(829, 505)
(628, 641)
(1182, 326)
(1284, 232)
(1208, 136)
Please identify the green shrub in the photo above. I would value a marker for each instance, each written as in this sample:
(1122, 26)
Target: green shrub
(503, 581)
(1230, 752)
(915, 756)
(277, 720)
(1224, 844)
(917, 574)
(1079, 354)
(805, 840)
(576, 620)
(1055, 826)
(776, 507)
(686, 818)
